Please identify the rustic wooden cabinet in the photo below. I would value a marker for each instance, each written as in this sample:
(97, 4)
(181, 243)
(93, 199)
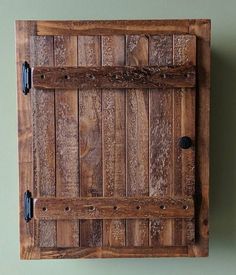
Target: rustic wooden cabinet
(113, 127)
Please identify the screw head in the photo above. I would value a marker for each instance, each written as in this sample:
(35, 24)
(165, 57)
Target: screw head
(185, 142)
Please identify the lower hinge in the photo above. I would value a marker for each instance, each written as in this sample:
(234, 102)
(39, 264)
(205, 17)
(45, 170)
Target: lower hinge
(28, 206)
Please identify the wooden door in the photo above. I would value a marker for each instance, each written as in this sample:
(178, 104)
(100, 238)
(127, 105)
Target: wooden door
(113, 138)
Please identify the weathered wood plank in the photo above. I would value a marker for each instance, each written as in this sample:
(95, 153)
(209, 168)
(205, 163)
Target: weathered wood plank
(112, 252)
(90, 141)
(67, 162)
(114, 77)
(114, 27)
(44, 138)
(178, 235)
(137, 232)
(161, 128)
(114, 144)
(202, 30)
(184, 105)
(113, 208)
(24, 29)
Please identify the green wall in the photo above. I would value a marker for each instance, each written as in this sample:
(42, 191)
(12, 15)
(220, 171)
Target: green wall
(222, 259)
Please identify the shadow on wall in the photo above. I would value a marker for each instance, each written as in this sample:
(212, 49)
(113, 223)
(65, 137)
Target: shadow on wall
(223, 149)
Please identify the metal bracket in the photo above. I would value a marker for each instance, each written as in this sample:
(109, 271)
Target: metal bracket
(26, 78)
(28, 206)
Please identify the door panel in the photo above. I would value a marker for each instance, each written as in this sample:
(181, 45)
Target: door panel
(119, 142)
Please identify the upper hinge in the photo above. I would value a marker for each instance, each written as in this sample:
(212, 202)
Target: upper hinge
(26, 78)
(28, 206)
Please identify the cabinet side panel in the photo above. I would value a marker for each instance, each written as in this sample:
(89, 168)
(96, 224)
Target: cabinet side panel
(202, 30)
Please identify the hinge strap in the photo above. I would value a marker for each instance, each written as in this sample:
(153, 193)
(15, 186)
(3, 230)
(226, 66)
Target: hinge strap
(26, 78)
(28, 206)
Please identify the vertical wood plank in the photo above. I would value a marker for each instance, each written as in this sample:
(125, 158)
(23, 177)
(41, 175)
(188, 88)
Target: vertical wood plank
(44, 137)
(24, 30)
(90, 141)
(161, 140)
(114, 139)
(184, 52)
(203, 32)
(67, 162)
(178, 234)
(137, 232)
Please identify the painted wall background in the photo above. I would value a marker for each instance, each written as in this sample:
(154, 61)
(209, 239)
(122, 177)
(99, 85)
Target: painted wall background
(222, 259)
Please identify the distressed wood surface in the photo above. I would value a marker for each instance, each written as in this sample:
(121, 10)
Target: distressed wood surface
(112, 208)
(176, 166)
(137, 114)
(24, 30)
(43, 138)
(203, 33)
(184, 105)
(161, 143)
(90, 140)
(114, 140)
(111, 252)
(66, 127)
(115, 27)
(165, 238)
(109, 77)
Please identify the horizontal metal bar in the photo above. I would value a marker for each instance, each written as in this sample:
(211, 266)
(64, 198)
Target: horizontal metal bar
(116, 77)
(113, 208)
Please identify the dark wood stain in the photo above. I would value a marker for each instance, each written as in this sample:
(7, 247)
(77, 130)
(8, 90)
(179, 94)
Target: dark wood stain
(112, 77)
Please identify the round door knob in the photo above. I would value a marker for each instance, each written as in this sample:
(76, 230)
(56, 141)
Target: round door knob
(185, 142)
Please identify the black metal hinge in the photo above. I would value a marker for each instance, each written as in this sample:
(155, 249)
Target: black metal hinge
(26, 78)
(28, 206)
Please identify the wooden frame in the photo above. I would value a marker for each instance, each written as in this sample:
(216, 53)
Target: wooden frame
(200, 28)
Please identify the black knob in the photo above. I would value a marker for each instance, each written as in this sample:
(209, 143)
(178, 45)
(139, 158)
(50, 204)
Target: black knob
(185, 142)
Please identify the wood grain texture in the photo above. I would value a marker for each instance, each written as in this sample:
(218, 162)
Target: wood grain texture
(182, 123)
(161, 143)
(67, 162)
(111, 252)
(90, 140)
(184, 105)
(115, 27)
(113, 208)
(112, 77)
(24, 29)
(44, 138)
(29, 232)
(114, 140)
(137, 232)
(202, 30)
